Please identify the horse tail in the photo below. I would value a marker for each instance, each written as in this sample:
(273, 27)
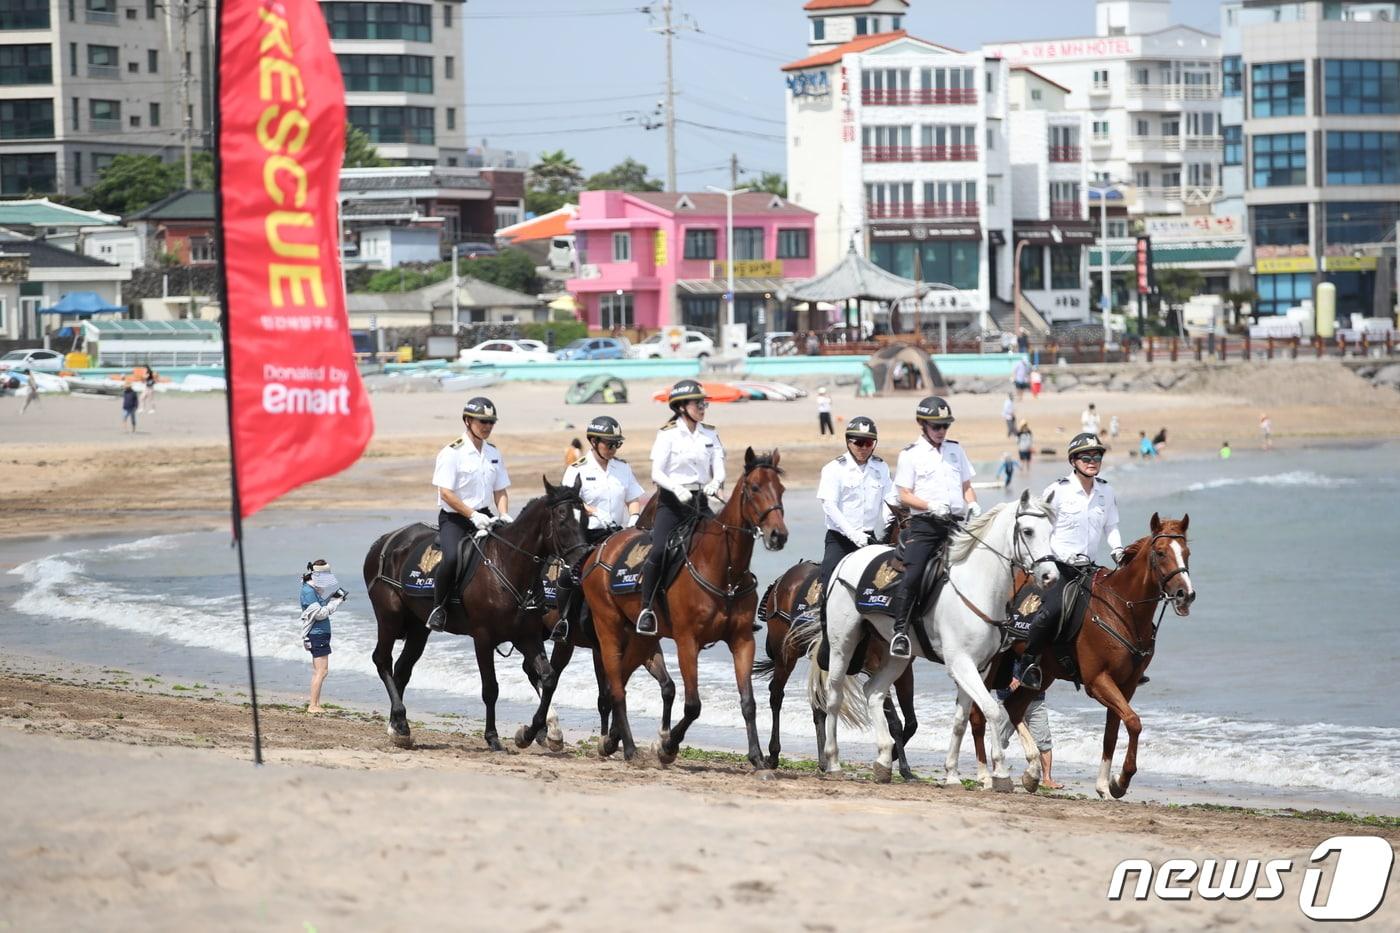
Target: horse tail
(854, 711)
(763, 668)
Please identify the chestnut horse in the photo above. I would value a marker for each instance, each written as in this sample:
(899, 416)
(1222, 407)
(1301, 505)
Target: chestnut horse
(1114, 647)
(775, 611)
(712, 599)
(547, 529)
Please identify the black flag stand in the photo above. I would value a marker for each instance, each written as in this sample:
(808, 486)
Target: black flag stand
(236, 504)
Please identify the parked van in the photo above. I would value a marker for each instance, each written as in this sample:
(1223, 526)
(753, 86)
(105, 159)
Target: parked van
(561, 253)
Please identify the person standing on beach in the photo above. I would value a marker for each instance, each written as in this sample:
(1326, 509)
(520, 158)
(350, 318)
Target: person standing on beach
(1113, 428)
(1006, 469)
(1008, 414)
(1025, 445)
(31, 392)
(1266, 430)
(321, 596)
(1089, 420)
(1036, 382)
(824, 413)
(1021, 376)
(853, 491)
(148, 391)
(470, 476)
(129, 405)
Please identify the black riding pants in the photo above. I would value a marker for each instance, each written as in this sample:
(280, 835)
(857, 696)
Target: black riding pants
(1046, 620)
(837, 547)
(454, 531)
(670, 513)
(923, 538)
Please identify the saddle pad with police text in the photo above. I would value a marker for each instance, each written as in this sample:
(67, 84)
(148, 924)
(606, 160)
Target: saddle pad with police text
(808, 601)
(879, 581)
(627, 572)
(420, 569)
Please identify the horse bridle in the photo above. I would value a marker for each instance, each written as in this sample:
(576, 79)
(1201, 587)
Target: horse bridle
(560, 558)
(734, 591)
(745, 498)
(1162, 597)
(1012, 561)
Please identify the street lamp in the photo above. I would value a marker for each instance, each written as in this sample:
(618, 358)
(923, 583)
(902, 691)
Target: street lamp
(1106, 299)
(729, 254)
(1058, 238)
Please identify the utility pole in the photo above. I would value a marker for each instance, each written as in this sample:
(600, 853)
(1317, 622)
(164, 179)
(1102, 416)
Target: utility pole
(185, 117)
(734, 170)
(670, 35)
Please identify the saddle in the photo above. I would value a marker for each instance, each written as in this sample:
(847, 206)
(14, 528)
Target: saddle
(1074, 607)
(882, 577)
(806, 604)
(626, 574)
(419, 574)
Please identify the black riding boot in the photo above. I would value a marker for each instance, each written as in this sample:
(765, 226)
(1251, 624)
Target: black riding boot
(902, 608)
(453, 530)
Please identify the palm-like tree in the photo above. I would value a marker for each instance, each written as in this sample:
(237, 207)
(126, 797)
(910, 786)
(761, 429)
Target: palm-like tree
(556, 173)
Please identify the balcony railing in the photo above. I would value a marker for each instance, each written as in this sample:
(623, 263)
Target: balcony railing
(919, 153)
(1065, 210)
(1175, 91)
(933, 211)
(1104, 140)
(1189, 194)
(101, 17)
(1099, 88)
(106, 124)
(105, 72)
(1065, 153)
(896, 98)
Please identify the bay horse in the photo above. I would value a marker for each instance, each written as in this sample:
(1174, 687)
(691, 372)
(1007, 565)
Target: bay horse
(776, 612)
(980, 559)
(712, 599)
(1113, 648)
(500, 594)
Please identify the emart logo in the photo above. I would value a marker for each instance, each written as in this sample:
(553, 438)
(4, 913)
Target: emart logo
(1360, 873)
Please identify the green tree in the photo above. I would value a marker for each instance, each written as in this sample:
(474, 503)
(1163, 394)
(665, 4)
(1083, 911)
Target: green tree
(539, 202)
(1236, 300)
(131, 182)
(771, 182)
(359, 151)
(513, 269)
(627, 175)
(552, 182)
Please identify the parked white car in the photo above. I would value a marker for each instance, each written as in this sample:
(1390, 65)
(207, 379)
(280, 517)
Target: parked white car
(695, 345)
(507, 351)
(38, 359)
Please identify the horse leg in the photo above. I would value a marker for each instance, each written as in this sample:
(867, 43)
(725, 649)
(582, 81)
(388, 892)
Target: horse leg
(547, 681)
(962, 709)
(383, 658)
(979, 745)
(904, 691)
(656, 667)
(559, 658)
(1110, 741)
(1109, 695)
(876, 693)
(414, 641)
(486, 666)
(604, 697)
(777, 687)
(842, 629)
(688, 656)
(622, 726)
(965, 674)
(741, 647)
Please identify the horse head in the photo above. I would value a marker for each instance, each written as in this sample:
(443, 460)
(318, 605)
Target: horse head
(1169, 556)
(1031, 530)
(899, 520)
(564, 529)
(760, 495)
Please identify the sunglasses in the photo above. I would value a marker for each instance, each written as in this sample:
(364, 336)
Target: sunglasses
(1091, 458)
(612, 445)
(938, 427)
(861, 442)
(701, 403)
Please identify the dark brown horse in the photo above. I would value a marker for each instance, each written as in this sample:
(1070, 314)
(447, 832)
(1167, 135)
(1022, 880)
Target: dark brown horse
(712, 599)
(500, 597)
(1114, 647)
(776, 612)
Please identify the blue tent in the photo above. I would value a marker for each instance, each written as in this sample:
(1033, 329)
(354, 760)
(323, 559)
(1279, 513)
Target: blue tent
(83, 304)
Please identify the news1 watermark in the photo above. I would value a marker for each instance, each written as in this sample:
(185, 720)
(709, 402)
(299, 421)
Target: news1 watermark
(1359, 868)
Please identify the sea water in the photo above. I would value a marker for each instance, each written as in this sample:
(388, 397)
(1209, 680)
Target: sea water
(1276, 688)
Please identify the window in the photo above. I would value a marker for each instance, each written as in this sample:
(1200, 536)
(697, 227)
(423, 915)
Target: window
(622, 247)
(1201, 174)
(1032, 268)
(1064, 266)
(794, 244)
(73, 59)
(449, 67)
(201, 249)
(1361, 221)
(1279, 224)
(153, 61)
(748, 243)
(951, 262)
(950, 199)
(991, 140)
(949, 85)
(1278, 293)
(991, 194)
(1171, 126)
(818, 30)
(410, 73)
(1144, 128)
(614, 310)
(100, 161)
(1142, 178)
(447, 16)
(27, 14)
(150, 9)
(864, 26)
(700, 244)
(991, 81)
(1280, 159)
(155, 114)
(1363, 158)
(1144, 76)
(1118, 229)
(1035, 93)
(130, 12)
(26, 119)
(105, 114)
(1100, 129)
(885, 86)
(1362, 86)
(410, 21)
(1231, 76)
(1278, 89)
(890, 199)
(1101, 79)
(133, 68)
(26, 64)
(101, 11)
(102, 61)
(1171, 178)
(1064, 200)
(1233, 138)
(895, 22)
(394, 124)
(77, 114)
(134, 120)
(451, 118)
(28, 173)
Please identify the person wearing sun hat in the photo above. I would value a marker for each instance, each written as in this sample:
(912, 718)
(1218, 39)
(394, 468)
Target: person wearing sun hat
(321, 596)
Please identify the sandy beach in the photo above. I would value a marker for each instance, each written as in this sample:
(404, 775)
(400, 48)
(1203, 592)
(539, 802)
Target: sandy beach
(132, 805)
(68, 467)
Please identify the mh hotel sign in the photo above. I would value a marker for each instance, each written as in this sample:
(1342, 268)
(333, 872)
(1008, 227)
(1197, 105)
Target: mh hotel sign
(1068, 50)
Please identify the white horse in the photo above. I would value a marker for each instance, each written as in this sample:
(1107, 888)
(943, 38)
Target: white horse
(981, 558)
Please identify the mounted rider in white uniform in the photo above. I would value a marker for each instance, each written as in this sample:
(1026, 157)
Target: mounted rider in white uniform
(854, 491)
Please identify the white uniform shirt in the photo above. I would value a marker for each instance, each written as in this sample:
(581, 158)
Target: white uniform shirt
(1089, 421)
(823, 404)
(853, 497)
(474, 477)
(606, 490)
(935, 475)
(1082, 519)
(1008, 410)
(682, 457)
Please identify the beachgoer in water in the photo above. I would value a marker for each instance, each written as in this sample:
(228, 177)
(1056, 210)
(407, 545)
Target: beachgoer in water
(1225, 451)
(1145, 447)
(321, 596)
(1266, 430)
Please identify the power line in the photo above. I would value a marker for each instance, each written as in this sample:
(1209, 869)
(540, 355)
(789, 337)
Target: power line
(731, 111)
(752, 134)
(736, 50)
(555, 102)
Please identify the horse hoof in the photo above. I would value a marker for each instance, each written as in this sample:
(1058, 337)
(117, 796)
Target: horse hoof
(765, 774)
(664, 737)
(402, 741)
(1116, 789)
(908, 776)
(555, 743)
(882, 774)
(772, 762)
(663, 753)
(1002, 785)
(608, 747)
(1030, 782)
(837, 775)
(493, 743)
(522, 738)
(952, 780)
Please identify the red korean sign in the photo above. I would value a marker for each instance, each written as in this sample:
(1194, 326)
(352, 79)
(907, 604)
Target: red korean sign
(297, 406)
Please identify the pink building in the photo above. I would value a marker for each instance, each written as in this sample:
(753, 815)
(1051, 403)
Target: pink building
(652, 259)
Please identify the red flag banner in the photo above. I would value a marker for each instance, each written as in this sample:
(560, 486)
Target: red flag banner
(297, 408)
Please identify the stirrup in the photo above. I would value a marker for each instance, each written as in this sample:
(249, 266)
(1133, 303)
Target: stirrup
(437, 619)
(1030, 677)
(561, 630)
(899, 645)
(646, 622)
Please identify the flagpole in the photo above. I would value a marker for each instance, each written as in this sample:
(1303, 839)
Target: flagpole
(235, 503)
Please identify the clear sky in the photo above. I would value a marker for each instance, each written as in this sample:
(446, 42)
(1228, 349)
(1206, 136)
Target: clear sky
(582, 75)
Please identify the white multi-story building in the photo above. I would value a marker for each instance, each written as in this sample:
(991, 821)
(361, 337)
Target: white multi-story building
(1150, 92)
(903, 148)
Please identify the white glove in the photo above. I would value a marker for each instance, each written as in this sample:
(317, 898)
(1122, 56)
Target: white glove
(1117, 556)
(632, 520)
(480, 520)
(940, 509)
(711, 488)
(506, 518)
(973, 509)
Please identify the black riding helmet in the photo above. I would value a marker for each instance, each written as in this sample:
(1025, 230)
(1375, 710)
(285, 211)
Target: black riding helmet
(861, 426)
(604, 428)
(481, 409)
(1085, 443)
(934, 410)
(687, 390)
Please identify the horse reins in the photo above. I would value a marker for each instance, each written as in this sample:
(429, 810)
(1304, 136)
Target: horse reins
(1162, 597)
(750, 582)
(1009, 561)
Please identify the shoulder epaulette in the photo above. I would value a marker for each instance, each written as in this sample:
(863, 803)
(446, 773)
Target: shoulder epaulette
(840, 459)
(457, 443)
(951, 441)
(704, 425)
(1100, 479)
(1063, 479)
(619, 460)
(877, 459)
(580, 461)
(668, 425)
(910, 446)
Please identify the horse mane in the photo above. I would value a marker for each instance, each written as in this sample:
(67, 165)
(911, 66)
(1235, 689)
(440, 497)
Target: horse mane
(764, 460)
(964, 539)
(1132, 550)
